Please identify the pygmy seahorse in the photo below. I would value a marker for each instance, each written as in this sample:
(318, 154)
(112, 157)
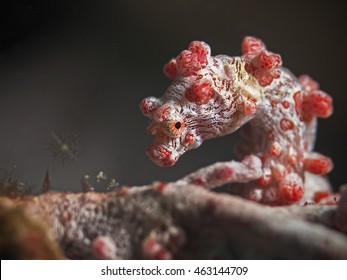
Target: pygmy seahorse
(211, 96)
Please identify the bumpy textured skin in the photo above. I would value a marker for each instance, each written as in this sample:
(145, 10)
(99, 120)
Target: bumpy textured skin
(211, 96)
(172, 221)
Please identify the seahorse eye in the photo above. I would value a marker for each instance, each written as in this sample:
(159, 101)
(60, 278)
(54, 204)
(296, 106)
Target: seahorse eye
(174, 128)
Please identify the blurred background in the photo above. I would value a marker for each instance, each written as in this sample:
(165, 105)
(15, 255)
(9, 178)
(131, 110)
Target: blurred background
(80, 68)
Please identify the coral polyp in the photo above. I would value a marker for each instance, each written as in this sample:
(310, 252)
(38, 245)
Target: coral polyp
(211, 96)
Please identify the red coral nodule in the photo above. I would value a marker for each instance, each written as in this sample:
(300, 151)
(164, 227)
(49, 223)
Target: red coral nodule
(159, 186)
(154, 250)
(103, 248)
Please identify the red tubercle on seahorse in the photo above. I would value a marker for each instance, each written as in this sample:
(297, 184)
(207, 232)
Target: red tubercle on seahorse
(163, 113)
(170, 69)
(286, 124)
(318, 164)
(201, 49)
(200, 93)
(163, 156)
(291, 189)
(326, 198)
(266, 178)
(149, 105)
(249, 107)
(285, 104)
(190, 61)
(260, 62)
(308, 83)
(317, 103)
(312, 104)
(275, 149)
(318, 196)
(252, 46)
(189, 138)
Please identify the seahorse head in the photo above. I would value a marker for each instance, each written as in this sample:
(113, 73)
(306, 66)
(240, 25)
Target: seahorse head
(188, 112)
(170, 127)
(175, 116)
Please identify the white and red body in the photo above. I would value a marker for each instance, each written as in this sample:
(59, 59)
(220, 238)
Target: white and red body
(212, 96)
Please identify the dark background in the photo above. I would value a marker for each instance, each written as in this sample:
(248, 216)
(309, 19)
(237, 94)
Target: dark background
(83, 67)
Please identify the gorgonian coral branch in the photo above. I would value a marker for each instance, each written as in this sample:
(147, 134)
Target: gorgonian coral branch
(179, 221)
